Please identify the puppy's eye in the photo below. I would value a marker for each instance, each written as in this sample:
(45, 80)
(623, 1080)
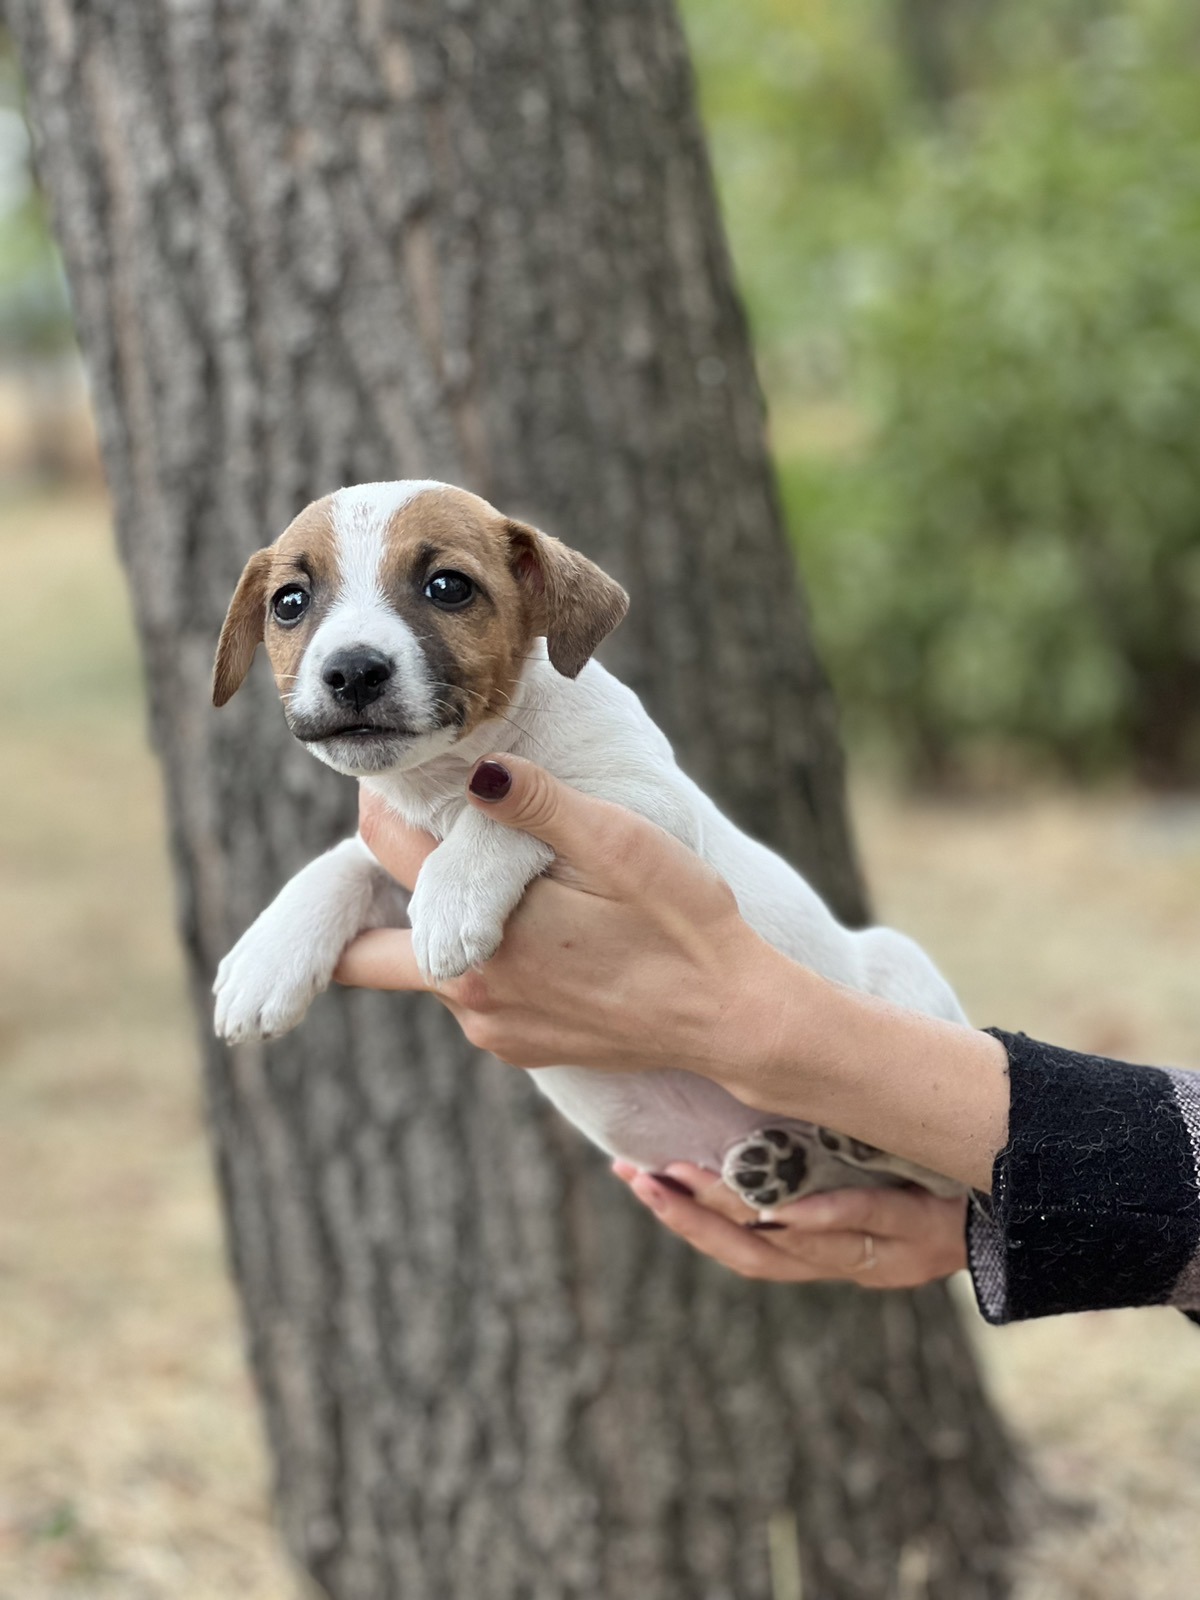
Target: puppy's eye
(289, 604)
(450, 590)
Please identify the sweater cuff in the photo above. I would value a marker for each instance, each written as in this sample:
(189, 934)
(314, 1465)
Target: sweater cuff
(1095, 1196)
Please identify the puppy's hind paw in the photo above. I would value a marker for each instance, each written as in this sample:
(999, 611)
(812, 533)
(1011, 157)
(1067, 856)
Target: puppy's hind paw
(769, 1168)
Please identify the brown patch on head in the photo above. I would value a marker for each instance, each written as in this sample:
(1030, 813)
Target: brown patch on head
(526, 584)
(304, 553)
(242, 630)
(475, 654)
(576, 604)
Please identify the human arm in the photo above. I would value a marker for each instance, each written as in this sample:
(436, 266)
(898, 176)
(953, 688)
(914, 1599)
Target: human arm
(1095, 1202)
(653, 966)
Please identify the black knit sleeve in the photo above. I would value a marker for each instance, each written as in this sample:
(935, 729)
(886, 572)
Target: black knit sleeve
(1095, 1198)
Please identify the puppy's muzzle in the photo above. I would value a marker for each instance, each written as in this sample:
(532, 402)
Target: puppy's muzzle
(357, 677)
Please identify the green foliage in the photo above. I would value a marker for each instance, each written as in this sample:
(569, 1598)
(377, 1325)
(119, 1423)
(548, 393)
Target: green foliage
(1006, 301)
(803, 100)
(34, 314)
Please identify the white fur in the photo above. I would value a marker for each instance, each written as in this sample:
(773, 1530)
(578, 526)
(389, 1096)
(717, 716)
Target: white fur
(593, 733)
(465, 892)
(360, 614)
(269, 979)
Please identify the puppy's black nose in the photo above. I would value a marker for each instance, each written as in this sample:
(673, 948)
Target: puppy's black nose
(356, 677)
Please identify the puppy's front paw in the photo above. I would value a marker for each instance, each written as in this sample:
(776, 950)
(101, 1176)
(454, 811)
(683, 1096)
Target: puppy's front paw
(453, 928)
(264, 987)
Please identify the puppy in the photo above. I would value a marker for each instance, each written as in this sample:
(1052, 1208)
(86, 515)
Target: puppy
(412, 628)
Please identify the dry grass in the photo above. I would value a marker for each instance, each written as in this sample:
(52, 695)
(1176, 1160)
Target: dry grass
(1078, 922)
(130, 1462)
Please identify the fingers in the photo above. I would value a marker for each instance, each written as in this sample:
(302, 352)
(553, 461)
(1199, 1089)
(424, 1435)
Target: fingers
(742, 1252)
(886, 1213)
(860, 1257)
(399, 849)
(574, 825)
(881, 1238)
(708, 1189)
(878, 1238)
(381, 959)
(711, 1190)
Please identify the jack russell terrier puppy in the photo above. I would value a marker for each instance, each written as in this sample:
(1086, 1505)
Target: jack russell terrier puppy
(412, 628)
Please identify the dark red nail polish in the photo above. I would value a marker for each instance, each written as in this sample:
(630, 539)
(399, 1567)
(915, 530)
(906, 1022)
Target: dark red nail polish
(490, 781)
(764, 1227)
(673, 1184)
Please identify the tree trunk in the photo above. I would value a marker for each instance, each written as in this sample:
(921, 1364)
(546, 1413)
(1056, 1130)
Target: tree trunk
(312, 242)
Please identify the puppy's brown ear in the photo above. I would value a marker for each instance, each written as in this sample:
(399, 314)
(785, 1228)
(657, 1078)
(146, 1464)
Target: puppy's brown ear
(242, 631)
(571, 600)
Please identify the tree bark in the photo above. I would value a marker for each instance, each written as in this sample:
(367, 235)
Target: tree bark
(322, 241)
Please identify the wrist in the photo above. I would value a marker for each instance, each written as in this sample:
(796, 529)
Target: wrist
(761, 1051)
(798, 1045)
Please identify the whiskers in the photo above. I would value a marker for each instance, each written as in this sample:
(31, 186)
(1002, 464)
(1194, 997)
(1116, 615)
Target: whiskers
(490, 711)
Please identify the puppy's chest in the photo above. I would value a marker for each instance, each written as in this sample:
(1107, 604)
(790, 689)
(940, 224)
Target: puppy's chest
(432, 808)
(594, 737)
(430, 797)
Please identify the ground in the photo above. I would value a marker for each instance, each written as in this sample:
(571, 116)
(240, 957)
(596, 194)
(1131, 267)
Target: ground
(130, 1460)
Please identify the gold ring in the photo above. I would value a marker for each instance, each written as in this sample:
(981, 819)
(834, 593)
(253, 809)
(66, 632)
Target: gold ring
(868, 1260)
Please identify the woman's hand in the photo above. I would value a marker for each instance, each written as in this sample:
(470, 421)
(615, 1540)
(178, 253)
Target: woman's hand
(879, 1238)
(630, 954)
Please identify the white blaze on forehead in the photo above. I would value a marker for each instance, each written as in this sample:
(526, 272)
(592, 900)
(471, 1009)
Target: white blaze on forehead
(361, 615)
(361, 516)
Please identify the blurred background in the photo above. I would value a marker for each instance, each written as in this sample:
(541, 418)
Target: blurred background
(968, 234)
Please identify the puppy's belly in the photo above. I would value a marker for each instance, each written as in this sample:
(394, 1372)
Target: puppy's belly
(651, 1118)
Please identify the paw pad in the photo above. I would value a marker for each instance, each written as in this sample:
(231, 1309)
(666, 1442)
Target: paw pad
(768, 1168)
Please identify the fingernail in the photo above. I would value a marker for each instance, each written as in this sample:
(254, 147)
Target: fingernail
(490, 781)
(651, 1195)
(765, 1227)
(668, 1182)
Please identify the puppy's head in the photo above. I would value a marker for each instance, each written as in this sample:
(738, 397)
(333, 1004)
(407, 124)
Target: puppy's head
(398, 616)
